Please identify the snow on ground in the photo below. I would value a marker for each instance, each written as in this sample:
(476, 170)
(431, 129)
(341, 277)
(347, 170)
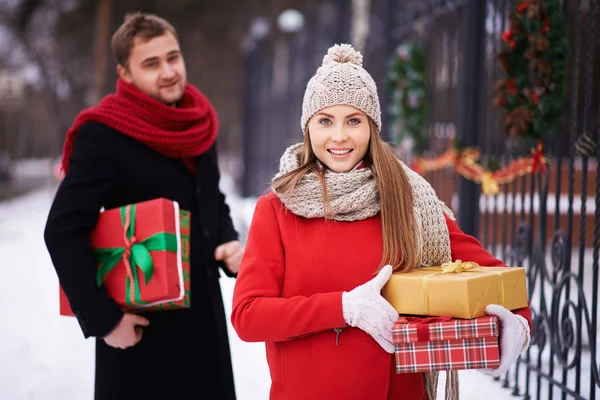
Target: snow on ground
(43, 356)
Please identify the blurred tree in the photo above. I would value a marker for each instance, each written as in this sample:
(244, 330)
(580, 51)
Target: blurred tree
(24, 13)
(31, 25)
(101, 48)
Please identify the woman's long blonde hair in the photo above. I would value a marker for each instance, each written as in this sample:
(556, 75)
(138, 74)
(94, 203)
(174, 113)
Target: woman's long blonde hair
(400, 242)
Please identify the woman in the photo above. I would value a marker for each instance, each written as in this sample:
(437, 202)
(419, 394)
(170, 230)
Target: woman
(343, 209)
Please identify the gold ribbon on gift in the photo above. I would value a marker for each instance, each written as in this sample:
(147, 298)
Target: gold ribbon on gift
(455, 267)
(458, 266)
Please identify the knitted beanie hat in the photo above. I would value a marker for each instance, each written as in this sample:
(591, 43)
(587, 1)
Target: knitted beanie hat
(341, 80)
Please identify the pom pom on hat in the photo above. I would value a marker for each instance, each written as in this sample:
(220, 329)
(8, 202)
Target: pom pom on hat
(341, 80)
(343, 53)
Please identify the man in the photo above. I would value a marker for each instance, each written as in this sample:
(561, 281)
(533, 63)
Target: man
(153, 138)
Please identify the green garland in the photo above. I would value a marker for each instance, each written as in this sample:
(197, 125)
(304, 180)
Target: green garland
(532, 93)
(407, 85)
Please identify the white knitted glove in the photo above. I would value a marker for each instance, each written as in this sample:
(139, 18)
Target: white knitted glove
(366, 309)
(514, 337)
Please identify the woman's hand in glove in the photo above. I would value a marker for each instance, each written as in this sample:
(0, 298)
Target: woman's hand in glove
(366, 309)
(514, 337)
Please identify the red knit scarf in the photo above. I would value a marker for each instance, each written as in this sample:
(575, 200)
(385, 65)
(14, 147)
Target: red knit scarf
(185, 131)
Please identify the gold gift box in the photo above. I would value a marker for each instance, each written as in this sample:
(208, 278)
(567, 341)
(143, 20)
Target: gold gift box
(429, 291)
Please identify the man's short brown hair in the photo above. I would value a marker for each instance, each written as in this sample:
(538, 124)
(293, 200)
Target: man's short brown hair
(143, 26)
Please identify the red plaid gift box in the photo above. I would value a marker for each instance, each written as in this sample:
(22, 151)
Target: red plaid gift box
(444, 343)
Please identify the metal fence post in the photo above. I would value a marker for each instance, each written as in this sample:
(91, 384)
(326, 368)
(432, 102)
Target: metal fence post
(470, 119)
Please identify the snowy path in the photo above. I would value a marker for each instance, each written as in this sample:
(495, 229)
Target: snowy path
(44, 357)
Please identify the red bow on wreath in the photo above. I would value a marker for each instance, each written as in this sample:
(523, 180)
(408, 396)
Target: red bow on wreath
(539, 160)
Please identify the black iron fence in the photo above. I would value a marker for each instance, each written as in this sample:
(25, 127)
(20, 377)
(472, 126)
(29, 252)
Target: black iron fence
(548, 222)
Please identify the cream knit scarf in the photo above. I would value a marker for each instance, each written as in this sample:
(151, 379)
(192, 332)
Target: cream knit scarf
(354, 196)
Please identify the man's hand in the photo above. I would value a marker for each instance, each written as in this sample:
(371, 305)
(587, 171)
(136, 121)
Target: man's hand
(231, 253)
(128, 333)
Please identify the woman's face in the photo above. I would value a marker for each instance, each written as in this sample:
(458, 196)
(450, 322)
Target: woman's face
(339, 136)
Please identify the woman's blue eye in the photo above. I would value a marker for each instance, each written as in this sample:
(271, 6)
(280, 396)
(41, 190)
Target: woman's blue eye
(325, 121)
(354, 121)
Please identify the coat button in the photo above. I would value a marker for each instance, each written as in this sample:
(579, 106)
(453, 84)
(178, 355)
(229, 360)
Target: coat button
(209, 273)
(198, 190)
(205, 233)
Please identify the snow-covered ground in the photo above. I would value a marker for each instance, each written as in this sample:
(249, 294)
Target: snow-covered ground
(44, 357)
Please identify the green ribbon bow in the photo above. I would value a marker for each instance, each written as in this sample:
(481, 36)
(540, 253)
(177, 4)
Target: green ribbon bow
(108, 258)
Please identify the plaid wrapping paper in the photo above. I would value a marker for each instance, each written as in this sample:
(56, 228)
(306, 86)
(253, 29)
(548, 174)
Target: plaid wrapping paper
(440, 344)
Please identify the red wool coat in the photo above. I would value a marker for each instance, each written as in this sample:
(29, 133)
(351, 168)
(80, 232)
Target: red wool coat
(289, 295)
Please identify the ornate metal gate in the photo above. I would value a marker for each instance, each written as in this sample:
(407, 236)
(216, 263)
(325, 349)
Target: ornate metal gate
(549, 221)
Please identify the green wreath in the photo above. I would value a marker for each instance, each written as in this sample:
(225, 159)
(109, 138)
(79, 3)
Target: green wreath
(407, 86)
(532, 93)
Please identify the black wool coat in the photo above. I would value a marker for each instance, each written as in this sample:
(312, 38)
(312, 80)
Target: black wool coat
(184, 354)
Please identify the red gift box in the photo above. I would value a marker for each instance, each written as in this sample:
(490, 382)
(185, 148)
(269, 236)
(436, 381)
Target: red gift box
(143, 256)
(444, 343)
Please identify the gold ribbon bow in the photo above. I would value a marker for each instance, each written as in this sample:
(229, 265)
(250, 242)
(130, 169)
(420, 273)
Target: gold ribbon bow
(458, 266)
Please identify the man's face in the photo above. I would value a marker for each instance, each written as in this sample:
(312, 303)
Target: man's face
(156, 68)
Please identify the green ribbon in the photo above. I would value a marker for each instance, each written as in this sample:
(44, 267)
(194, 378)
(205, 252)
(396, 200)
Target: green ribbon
(139, 257)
